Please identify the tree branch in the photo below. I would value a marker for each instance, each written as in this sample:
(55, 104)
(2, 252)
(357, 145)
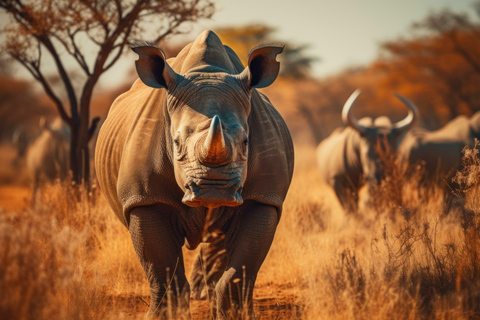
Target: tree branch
(121, 47)
(64, 76)
(75, 53)
(117, 56)
(78, 54)
(37, 74)
(93, 127)
(119, 9)
(24, 18)
(169, 31)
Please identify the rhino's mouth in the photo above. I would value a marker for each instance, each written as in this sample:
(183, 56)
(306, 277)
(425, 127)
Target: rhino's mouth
(213, 193)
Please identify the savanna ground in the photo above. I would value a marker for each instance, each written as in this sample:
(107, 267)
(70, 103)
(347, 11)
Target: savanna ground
(403, 258)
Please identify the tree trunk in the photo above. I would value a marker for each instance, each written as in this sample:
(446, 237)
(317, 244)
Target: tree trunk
(85, 163)
(79, 153)
(74, 166)
(85, 128)
(79, 158)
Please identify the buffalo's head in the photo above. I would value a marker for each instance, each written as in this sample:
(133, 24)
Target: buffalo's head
(208, 111)
(377, 133)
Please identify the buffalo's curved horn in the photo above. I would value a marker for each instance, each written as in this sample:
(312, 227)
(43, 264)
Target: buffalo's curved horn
(347, 116)
(214, 149)
(410, 119)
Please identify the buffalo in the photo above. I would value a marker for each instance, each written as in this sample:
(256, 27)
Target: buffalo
(437, 155)
(348, 158)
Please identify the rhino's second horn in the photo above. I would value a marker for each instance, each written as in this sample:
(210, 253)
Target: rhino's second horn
(214, 151)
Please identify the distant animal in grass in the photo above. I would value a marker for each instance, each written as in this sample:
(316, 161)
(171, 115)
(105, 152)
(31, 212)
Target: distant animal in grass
(47, 157)
(347, 159)
(436, 155)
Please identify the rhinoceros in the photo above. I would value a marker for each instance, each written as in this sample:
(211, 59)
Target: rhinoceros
(347, 158)
(47, 157)
(194, 148)
(438, 153)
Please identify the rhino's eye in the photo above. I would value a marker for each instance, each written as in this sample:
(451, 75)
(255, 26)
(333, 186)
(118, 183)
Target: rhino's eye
(179, 148)
(245, 147)
(176, 139)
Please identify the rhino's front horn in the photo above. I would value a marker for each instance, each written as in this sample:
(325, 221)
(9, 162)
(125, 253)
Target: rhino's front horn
(214, 151)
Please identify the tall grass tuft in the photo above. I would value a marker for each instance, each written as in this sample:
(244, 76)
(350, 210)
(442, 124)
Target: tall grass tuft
(64, 259)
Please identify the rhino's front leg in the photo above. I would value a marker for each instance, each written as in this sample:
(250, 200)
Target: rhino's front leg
(246, 253)
(158, 244)
(208, 267)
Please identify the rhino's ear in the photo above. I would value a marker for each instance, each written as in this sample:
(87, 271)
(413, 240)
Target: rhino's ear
(263, 67)
(153, 69)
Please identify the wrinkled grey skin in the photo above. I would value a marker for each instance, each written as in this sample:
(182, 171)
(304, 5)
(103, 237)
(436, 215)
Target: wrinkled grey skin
(439, 152)
(195, 134)
(347, 159)
(47, 158)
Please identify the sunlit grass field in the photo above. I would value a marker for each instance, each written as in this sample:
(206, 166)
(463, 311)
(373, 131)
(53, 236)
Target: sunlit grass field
(400, 257)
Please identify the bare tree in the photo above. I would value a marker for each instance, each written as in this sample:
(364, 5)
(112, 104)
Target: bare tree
(67, 29)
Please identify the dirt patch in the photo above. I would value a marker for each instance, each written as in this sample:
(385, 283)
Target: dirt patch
(270, 301)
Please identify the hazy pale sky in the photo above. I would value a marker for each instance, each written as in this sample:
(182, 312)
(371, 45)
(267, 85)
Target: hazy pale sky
(341, 33)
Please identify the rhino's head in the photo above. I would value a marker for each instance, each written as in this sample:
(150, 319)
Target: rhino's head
(208, 109)
(378, 133)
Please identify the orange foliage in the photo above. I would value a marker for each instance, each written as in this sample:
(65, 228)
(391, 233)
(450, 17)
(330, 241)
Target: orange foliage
(438, 68)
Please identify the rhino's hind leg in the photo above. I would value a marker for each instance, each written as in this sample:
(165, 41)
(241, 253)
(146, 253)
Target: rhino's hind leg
(159, 247)
(246, 253)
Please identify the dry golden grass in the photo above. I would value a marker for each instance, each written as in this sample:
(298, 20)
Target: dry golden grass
(11, 166)
(61, 261)
(401, 257)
